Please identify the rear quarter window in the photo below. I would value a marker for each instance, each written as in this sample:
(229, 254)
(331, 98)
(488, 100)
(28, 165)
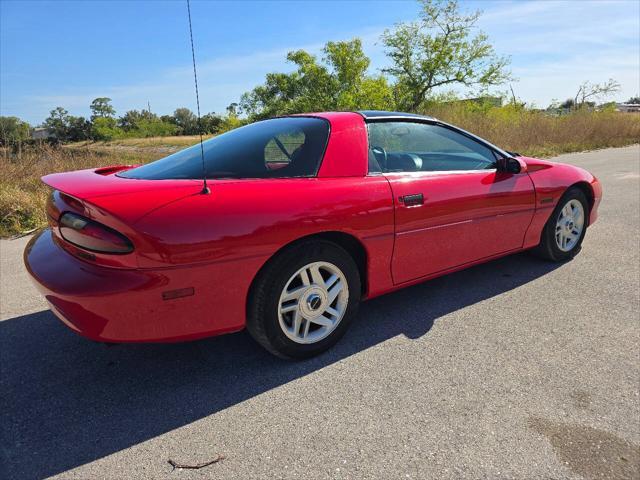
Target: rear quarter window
(277, 148)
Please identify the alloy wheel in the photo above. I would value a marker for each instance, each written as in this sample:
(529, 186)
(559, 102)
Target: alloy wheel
(569, 225)
(313, 302)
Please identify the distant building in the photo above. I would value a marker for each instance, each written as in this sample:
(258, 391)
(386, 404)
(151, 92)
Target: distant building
(628, 107)
(41, 133)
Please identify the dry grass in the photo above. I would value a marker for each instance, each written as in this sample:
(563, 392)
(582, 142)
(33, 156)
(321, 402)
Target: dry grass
(149, 142)
(539, 135)
(22, 195)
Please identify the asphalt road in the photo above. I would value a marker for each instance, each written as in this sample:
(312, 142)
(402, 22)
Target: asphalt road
(513, 369)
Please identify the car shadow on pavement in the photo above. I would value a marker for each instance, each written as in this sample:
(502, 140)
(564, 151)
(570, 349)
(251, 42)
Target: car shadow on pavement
(67, 401)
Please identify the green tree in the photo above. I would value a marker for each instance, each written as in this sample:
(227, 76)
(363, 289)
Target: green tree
(78, 129)
(101, 108)
(211, 123)
(13, 130)
(186, 121)
(130, 120)
(58, 123)
(440, 49)
(105, 128)
(154, 127)
(339, 82)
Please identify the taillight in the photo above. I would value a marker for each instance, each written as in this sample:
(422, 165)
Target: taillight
(93, 236)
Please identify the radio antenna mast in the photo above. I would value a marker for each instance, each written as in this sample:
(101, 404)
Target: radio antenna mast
(205, 188)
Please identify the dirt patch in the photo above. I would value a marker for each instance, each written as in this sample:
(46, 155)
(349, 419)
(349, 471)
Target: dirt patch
(587, 451)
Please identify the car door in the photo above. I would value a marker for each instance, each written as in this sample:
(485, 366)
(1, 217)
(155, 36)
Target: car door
(452, 206)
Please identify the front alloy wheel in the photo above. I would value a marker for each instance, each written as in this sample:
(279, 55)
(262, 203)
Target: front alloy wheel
(564, 232)
(569, 225)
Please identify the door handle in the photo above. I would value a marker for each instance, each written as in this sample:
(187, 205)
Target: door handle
(412, 200)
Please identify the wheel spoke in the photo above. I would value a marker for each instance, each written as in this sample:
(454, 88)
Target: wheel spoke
(293, 295)
(295, 324)
(331, 281)
(289, 308)
(316, 276)
(321, 320)
(333, 312)
(304, 277)
(334, 291)
(307, 324)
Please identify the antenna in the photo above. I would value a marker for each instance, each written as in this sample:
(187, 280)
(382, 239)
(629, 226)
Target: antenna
(205, 188)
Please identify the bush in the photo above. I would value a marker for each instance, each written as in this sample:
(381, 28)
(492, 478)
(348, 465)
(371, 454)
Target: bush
(105, 128)
(152, 128)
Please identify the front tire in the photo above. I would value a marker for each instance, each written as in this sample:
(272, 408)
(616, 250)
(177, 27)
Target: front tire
(304, 300)
(564, 232)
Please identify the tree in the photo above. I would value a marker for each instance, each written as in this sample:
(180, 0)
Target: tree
(186, 121)
(568, 104)
(101, 108)
(634, 100)
(105, 128)
(58, 123)
(592, 91)
(211, 123)
(67, 128)
(78, 129)
(130, 120)
(440, 49)
(339, 82)
(13, 131)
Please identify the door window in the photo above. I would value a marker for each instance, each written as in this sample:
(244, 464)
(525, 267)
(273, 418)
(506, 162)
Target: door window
(420, 147)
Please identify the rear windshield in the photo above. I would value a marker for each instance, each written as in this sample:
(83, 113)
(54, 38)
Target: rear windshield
(277, 148)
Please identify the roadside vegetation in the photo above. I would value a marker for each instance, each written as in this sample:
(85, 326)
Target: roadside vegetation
(22, 194)
(434, 63)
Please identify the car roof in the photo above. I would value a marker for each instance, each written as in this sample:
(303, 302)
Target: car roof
(380, 114)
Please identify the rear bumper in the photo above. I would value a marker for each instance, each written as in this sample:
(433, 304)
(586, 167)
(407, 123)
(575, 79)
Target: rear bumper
(127, 305)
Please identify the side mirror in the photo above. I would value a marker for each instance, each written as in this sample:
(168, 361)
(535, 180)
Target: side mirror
(508, 165)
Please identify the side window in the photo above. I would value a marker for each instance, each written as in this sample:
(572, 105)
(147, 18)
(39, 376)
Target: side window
(284, 147)
(279, 151)
(415, 147)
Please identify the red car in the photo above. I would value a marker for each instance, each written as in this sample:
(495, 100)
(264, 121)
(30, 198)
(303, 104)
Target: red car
(304, 216)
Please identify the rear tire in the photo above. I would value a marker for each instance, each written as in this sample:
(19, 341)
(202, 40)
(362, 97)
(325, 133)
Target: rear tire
(304, 300)
(564, 232)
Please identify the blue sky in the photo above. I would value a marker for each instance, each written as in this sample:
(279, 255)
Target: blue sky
(67, 53)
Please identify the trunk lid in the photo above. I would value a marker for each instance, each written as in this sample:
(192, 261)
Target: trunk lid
(115, 202)
(125, 198)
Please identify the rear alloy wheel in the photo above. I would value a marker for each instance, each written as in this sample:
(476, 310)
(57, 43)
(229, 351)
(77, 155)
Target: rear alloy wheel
(304, 299)
(565, 230)
(313, 302)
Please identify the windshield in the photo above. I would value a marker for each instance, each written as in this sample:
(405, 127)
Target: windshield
(277, 148)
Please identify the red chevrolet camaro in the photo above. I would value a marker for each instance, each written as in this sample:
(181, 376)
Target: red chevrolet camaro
(304, 216)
